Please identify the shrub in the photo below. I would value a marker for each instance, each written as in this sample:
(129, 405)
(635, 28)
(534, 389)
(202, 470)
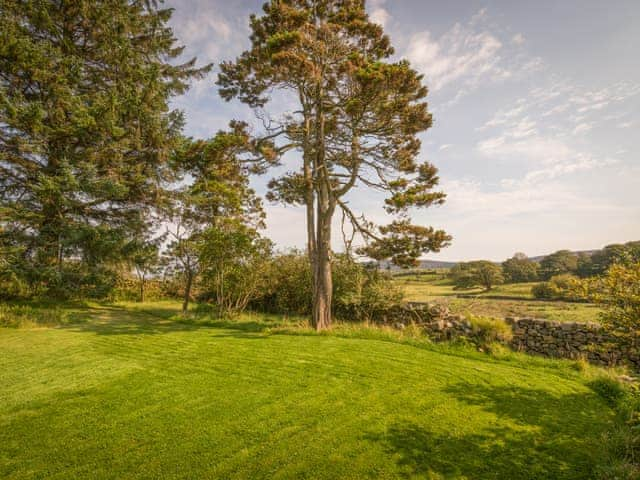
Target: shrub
(610, 389)
(288, 287)
(359, 292)
(619, 293)
(545, 290)
(362, 293)
(487, 330)
(561, 287)
(235, 264)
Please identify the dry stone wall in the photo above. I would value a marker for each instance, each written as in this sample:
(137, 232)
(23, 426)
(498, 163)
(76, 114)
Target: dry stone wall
(571, 340)
(535, 336)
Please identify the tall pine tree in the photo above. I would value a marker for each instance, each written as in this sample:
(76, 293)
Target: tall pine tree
(85, 124)
(355, 124)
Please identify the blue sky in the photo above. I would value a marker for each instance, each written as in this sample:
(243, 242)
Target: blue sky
(536, 117)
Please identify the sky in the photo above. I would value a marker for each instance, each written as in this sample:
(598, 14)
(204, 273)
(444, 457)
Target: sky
(536, 111)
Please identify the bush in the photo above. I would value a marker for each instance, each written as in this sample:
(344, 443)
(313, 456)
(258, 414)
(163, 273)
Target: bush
(619, 293)
(561, 287)
(359, 292)
(288, 287)
(235, 262)
(487, 330)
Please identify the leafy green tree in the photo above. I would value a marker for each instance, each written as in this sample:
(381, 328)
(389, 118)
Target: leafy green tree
(619, 293)
(219, 191)
(234, 259)
(85, 125)
(520, 269)
(477, 273)
(562, 261)
(586, 267)
(624, 254)
(356, 122)
(561, 287)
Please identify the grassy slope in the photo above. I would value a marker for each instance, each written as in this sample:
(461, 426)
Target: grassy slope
(133, 394)
(437, 288)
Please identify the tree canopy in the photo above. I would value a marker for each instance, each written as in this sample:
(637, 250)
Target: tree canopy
(85, 125)
(355, 124)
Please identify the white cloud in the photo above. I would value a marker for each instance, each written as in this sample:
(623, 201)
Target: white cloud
(582, 128)
(461, 54)
(378, 14)
(518, 39)
(446, 146)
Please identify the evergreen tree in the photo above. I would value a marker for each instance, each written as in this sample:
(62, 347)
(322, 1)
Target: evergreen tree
(85, 124)
(356, 123)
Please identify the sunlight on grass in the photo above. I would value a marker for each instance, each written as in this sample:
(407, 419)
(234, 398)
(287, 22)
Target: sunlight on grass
(138, 391)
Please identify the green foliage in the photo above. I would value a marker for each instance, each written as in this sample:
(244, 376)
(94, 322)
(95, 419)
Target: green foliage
(360, 293)
(234, 261)
(127, 289)
(480, 272)
(558, 263)
(357, 122)
(622, 442)
(289, 289)
(601, 260)
(219, 191)
(85, 131)
(39, 315)
(520, 269)
(619, 294)
(561, 287)
(610, 389)
(488, 330)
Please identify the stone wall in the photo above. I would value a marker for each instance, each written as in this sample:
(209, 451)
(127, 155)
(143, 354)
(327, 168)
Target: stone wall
(570, 340)
(529, 335)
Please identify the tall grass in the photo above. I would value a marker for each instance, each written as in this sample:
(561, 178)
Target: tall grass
(38, 315)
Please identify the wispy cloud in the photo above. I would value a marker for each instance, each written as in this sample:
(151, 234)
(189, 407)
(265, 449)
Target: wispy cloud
(378, 14)
(467, 55)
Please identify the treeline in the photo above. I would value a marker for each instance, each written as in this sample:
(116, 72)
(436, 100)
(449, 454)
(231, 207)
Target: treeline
(557, 270)
(97, 179)
(103, 197)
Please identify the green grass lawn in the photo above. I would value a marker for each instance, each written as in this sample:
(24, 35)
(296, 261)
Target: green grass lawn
(129, 392)
(439, 289)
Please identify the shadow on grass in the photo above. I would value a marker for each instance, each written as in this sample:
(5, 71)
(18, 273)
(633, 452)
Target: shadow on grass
(121, 320)
(535, 435)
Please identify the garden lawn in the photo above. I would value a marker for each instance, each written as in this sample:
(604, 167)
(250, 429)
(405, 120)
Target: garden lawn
(132, 393)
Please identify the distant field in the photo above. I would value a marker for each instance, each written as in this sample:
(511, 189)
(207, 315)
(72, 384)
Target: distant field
(438, 288)
(133, 391)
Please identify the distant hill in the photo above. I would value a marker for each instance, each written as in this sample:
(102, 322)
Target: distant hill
(426, 264)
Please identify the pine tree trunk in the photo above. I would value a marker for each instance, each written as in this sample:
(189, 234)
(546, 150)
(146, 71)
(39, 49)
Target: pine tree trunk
(323, 283)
